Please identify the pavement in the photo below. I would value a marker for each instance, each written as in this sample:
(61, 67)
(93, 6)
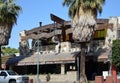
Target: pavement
(56, 82)
(60, 82)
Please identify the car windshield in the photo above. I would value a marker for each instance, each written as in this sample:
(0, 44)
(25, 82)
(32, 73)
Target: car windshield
(12, 73)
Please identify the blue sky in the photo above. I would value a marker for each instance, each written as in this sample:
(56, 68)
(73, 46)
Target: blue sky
(35, 11)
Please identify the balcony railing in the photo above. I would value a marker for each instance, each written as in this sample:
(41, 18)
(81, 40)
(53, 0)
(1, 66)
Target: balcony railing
(52, 48)
(74, 47)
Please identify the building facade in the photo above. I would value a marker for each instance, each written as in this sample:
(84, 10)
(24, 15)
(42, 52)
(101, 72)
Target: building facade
(54, 50)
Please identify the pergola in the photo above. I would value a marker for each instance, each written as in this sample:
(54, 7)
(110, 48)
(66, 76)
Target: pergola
(63, 27)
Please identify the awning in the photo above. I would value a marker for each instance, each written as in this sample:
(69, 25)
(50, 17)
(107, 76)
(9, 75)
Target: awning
(50, 58)
(102, 58)
(103, 54)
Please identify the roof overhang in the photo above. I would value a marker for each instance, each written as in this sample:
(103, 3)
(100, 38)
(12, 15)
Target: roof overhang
(51, 58)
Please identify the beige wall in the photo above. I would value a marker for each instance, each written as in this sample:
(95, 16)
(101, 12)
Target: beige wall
(70, 76)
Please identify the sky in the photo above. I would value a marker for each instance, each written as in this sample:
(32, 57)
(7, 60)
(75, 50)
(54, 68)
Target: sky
(35, 11)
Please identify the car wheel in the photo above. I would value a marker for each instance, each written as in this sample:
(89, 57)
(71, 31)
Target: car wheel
(12, 81)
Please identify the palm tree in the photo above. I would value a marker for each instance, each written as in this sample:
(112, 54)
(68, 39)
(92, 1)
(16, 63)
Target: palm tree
(83, 14)
(8, 17)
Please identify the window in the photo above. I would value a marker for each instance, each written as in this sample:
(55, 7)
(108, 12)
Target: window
(3, 74)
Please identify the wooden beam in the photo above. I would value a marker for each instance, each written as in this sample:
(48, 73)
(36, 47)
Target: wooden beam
(99, 27)
(42, 35)
(42, 28)
(102, 21)
(39, 29)
(104, 26)
(38, 36)
(57, 19)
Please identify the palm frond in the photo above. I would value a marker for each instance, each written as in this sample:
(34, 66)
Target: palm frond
(8, 17)
(67, 2)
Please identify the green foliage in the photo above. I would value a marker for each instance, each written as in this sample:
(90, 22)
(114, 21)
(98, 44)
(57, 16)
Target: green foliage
(74, 82)
(9, 12)
(89, 82)
(75, 5)
(10, 51)
(116, 53)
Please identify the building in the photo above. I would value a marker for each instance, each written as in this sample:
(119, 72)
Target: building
(54, 50)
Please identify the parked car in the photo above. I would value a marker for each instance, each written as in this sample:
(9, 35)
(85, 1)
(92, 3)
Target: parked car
(9, 76)
(118, 75)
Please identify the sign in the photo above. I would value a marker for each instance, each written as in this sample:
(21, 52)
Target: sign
(105, 73)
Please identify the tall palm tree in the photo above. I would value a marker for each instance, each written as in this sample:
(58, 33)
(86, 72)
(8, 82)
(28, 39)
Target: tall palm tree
(8, 17)
(83, 14)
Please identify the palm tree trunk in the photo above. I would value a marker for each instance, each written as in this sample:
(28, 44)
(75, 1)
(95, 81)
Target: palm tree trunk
(0, 57)
(83, 78)
(78, 69)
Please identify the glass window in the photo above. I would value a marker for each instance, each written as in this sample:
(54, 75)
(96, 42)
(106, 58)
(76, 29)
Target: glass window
(3, 74)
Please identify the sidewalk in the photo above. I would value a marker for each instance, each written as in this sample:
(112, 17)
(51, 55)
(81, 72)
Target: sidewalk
(62, 82)
(57, 82)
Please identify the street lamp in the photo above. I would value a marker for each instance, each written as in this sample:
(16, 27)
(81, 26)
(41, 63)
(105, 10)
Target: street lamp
(78, 69)
(39, 49)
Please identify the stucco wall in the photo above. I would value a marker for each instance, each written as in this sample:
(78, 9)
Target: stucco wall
(70, 76)
(112, 32)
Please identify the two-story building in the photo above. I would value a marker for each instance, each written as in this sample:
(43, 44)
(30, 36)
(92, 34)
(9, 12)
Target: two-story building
(52, 49)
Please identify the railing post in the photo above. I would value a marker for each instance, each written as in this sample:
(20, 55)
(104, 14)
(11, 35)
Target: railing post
(99, 79)
(109, 79)
(31, 81)
(118, 80)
